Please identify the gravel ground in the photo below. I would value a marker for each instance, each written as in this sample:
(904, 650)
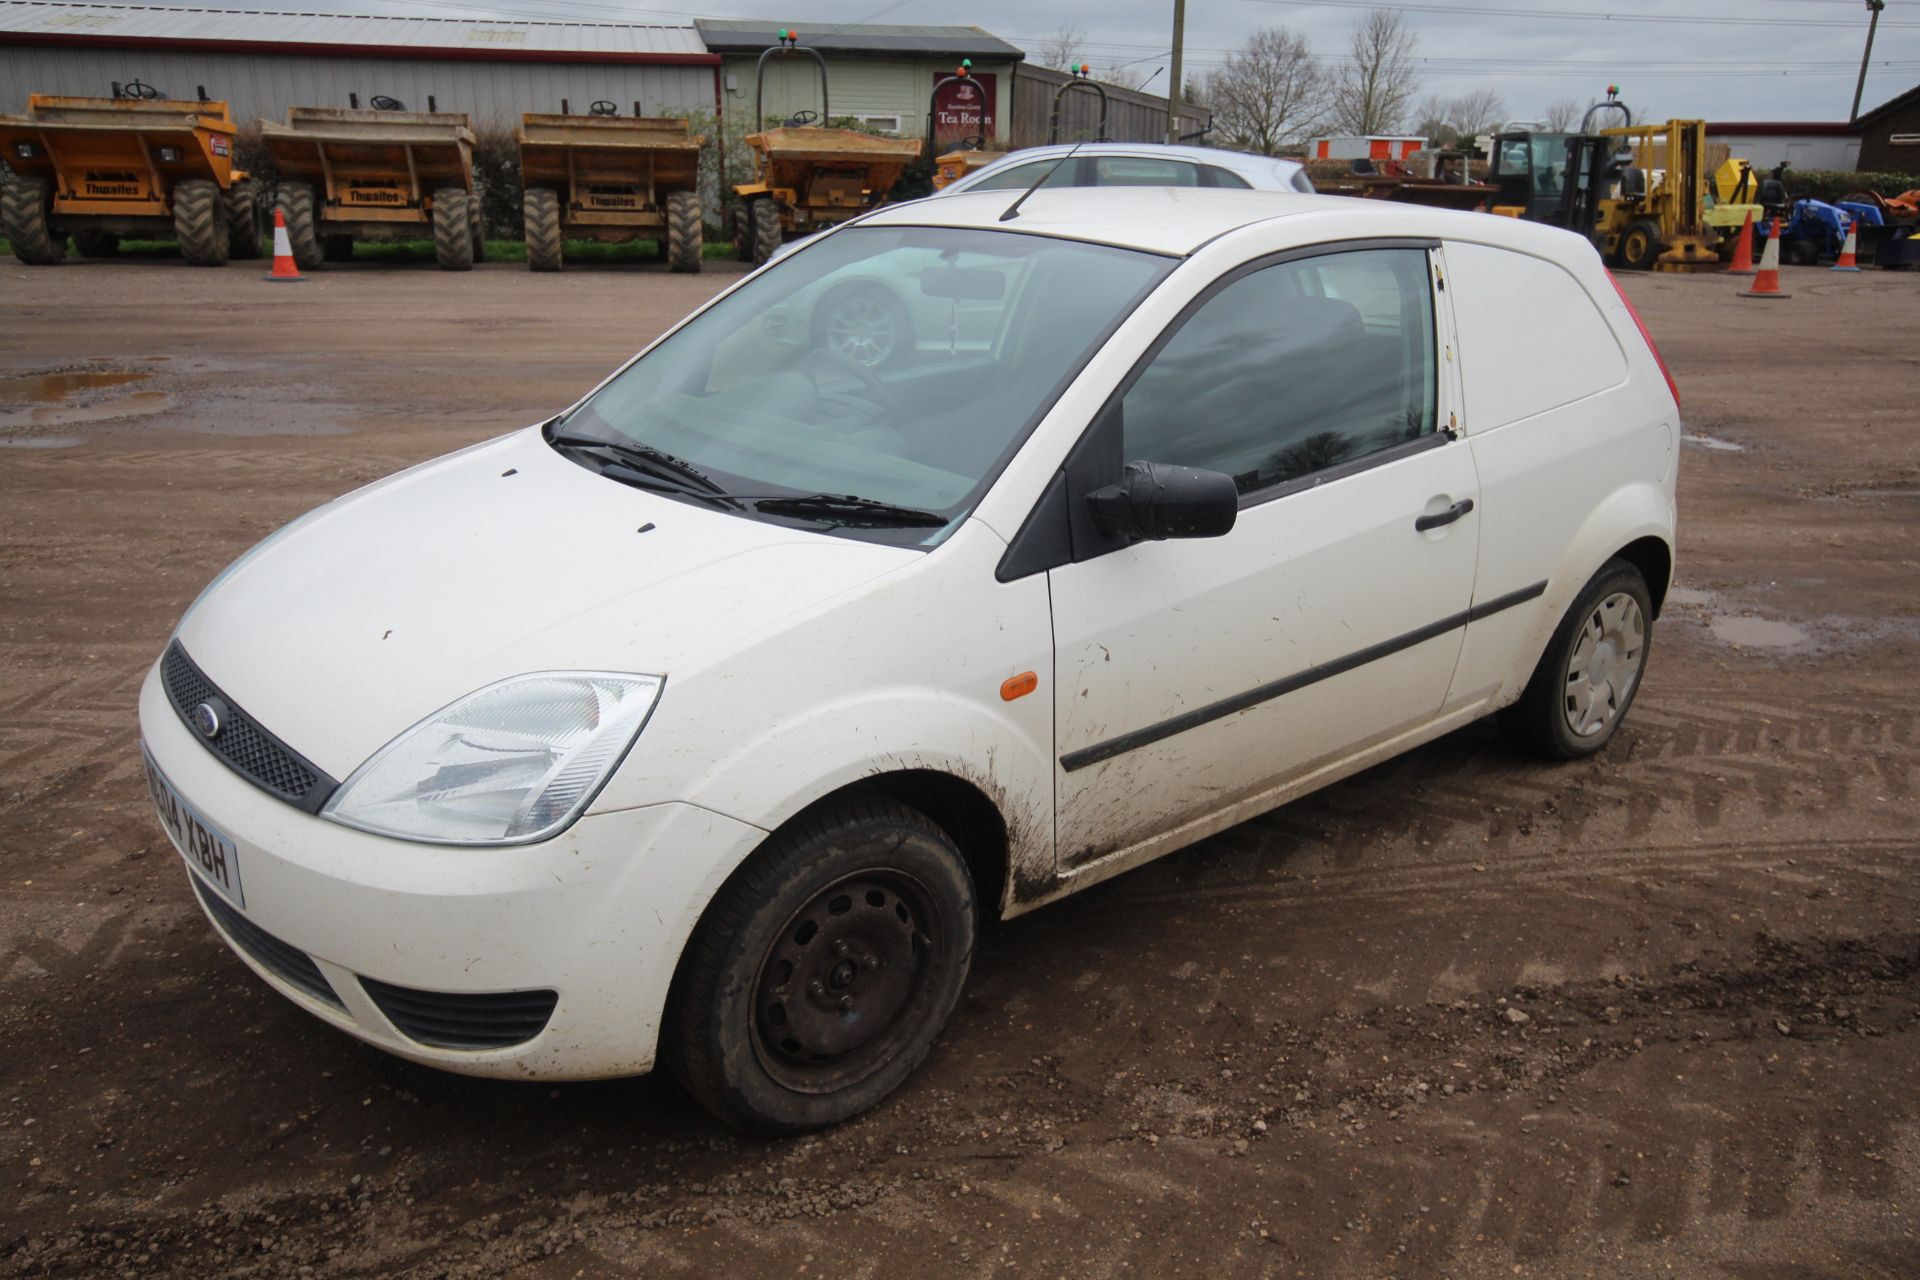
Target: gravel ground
(1463, 1015)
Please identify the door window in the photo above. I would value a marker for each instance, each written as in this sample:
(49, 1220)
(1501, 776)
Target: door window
(1292, 369)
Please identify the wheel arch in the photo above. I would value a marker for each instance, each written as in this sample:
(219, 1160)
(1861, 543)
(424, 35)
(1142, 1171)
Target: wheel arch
(1653, 557)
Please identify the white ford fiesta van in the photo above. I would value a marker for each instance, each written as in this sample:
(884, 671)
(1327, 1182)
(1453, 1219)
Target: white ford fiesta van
(702, 724)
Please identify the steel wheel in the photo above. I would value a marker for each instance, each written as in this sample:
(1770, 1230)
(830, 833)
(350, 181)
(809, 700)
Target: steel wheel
(864, 329)
(1605, 664)
(841, 987)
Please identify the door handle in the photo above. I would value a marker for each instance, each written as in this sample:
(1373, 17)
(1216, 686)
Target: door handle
(1423, 523)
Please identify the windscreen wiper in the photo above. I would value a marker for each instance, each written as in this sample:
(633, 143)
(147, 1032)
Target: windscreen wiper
(643, 458)
(869, 510)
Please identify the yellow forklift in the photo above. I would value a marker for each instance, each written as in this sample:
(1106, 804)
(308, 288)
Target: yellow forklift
(1639, 192)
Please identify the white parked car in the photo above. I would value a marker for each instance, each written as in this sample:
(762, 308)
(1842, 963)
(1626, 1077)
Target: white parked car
(702, 724)
(1133, 164)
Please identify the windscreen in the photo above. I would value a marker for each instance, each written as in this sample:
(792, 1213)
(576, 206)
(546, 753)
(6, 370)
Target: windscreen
(896, 365)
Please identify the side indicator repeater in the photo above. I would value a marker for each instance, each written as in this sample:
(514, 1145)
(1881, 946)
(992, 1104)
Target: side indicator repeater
(1019, 686)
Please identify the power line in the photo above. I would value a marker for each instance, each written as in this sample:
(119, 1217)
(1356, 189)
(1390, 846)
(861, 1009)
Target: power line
(1488, 11)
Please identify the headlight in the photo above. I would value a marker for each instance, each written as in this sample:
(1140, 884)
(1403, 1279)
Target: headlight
(509, 764)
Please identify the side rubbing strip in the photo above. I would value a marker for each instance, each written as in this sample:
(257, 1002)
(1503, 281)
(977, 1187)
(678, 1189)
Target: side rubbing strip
(1289, 684)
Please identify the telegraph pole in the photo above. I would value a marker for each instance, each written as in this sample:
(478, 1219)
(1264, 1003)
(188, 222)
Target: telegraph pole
(1173, 84)
(1873, 6)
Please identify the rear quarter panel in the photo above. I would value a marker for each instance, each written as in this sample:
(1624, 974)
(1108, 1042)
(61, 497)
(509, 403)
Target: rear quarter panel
(1574, 434)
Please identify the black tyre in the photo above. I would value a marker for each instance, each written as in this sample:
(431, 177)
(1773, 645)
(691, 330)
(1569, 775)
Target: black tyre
(766, 231)
(296, 204)
(452, 230)
(1801, 253)
(824, 969)
(96, 244)
(336, 248)
(477, 225)
(743, 230)
(684, 232)
(24, 202)
(542, 209)
(864, 325)
(249, 231)
(1591, 670)
(1640, 246)
(200, 222)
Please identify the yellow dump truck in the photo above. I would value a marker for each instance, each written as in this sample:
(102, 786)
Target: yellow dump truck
(351, 174)
(610, 178)
(135, 164)
(807, 176)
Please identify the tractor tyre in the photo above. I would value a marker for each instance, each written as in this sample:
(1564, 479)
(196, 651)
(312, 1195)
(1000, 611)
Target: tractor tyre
(683, 231)
(1801, 253)
(766, 231)
(200, 222)
(295, 203)
(477, 225)
(452, 230)
(96, 244)
(743, 230)
(336, 248)
(1640, 246)
(542, 209)
(23, 216)
(248, 230)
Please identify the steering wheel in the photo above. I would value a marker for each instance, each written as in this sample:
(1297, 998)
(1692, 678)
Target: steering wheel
(974, 142)
(878, 392)
(140, 91)
(381, 102)
(601, 107)
(799, 118)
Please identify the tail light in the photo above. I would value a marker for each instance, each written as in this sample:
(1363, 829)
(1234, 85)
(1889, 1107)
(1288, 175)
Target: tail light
(1647, 338)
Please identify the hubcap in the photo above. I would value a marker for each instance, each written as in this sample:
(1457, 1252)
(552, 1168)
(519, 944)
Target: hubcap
(1605, 664)
(861, 329)
(840, 987)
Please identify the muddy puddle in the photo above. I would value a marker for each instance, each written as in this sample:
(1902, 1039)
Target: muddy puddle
(75, 398)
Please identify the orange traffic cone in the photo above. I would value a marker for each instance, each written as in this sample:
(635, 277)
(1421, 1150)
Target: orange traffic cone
(1767, 283)
(285, 271)
(1743, 249)
(1847, 261)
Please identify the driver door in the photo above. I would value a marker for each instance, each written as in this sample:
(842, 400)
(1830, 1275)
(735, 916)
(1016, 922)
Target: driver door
(1192, 677)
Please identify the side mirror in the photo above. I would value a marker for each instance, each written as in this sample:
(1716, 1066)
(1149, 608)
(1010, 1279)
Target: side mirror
(1157, 500)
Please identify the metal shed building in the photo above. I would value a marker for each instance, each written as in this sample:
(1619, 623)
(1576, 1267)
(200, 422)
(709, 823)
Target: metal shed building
(264, 61)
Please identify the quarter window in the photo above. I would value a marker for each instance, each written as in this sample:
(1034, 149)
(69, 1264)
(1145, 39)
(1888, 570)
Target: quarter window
(1293, 369)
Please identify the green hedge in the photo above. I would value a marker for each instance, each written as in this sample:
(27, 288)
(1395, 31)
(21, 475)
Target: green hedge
(1832, 184)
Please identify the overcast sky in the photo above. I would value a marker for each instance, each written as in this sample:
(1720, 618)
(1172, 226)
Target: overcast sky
(1750, 59)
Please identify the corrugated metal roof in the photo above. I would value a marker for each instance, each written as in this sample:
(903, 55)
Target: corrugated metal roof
(871, 39)
(53, 21)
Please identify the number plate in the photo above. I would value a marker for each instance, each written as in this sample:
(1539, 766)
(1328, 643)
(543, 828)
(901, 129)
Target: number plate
(208, 853)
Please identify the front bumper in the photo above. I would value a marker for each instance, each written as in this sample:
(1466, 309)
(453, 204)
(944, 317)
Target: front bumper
(420, 937)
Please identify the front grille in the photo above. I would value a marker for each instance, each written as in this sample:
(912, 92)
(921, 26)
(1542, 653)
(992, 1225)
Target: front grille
(241, 743)
(288, 963)
(445, 1020)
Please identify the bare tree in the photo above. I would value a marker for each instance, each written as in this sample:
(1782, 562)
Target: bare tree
(1561, 116)
(1433, 120)
(1267, 93)
(1472, 114)
(1061, 49)
(1374, 92)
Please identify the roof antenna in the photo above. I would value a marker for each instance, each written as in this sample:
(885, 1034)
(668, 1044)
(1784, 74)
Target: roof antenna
(1013, 210)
